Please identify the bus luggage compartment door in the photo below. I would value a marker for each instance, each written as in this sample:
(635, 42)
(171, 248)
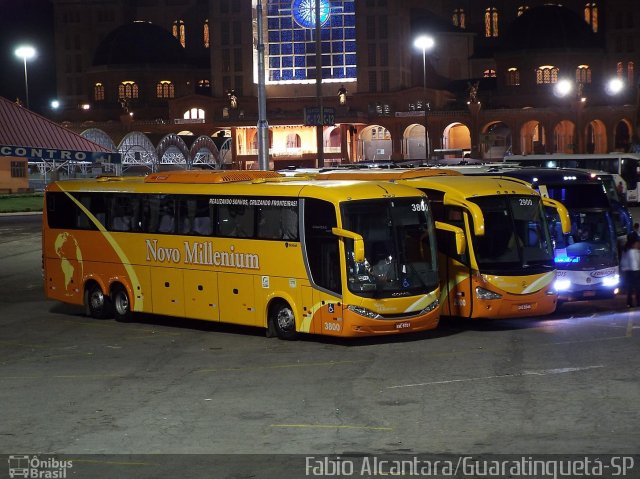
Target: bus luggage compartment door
(167, 291)
(237, 299)
(201, 295)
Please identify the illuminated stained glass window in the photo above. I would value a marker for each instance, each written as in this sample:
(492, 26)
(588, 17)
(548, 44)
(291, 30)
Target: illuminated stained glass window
(491, 22)
(459, 19)
(583, 74)
(513, 77)
(591, 15)
(291, 55)
(128, 89)
(178, 31)
(98, 92)
(165, 89)
(205, 33)
(547, 74)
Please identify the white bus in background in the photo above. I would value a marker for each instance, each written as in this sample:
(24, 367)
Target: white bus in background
(627, 165)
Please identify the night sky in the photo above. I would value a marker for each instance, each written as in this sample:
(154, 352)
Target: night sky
(27, 21)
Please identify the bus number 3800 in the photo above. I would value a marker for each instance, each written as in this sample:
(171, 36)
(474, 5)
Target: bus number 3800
(332, 326)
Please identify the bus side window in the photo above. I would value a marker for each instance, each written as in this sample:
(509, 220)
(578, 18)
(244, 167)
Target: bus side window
(322, 250)
(275, 222)
(120, 213)
(196, 216)
(158, 214)
(59, 207)
(235, 221)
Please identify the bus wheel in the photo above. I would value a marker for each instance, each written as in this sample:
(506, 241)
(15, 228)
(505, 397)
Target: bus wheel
(96, 304)
(283, 320)
(121, 304)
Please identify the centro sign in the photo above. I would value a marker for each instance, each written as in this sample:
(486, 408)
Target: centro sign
(52, 154)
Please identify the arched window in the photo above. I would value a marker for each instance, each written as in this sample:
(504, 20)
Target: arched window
(522, 9)
(630, 73)
(513, 77)
(489, 73)
(98, 92)
(205, 33)
(293, 140)
(179, 32)
(128, 89)
(194, 114)
(583, 74)
(546, 74)
(459, 19)
(165, 89)
(591, 15)
(619, 70)
(491, 22)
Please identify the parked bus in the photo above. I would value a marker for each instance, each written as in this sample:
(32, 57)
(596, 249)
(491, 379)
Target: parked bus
(587, 257)
(627, 165)
(287, 255)
(507, 268)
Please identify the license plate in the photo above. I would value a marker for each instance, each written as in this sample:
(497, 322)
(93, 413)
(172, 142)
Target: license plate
(403, 325)
(589, 294)
(524, 307)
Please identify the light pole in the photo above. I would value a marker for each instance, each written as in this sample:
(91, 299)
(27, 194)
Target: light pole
(424, 43)
(26, 52)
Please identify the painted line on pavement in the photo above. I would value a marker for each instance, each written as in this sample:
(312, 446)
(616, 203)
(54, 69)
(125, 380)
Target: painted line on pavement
(541, 372)
(331, 426)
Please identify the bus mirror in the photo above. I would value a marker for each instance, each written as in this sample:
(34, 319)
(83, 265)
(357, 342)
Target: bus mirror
(461, 240)
(563, 213)
(358, 242)
(472, 208)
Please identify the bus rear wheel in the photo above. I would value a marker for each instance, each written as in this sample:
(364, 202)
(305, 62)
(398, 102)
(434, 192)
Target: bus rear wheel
(283, 320)
(121, 304)
(96, 304)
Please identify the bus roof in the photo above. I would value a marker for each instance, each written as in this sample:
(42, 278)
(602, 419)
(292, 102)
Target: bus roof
(440, 178)
(569, 156)
(269, 186)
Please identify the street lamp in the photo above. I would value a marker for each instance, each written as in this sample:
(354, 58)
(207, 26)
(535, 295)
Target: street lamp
(26, 52)
(424, 43)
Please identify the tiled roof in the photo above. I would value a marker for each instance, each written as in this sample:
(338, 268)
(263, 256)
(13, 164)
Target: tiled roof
(22, 127)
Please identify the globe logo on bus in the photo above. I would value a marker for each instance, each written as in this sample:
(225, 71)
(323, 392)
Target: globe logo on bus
(68, 250)
(304, 12)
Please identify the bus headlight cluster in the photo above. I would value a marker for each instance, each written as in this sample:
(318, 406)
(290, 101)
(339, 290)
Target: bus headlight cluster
(562, 284)
(431, 307)
(482, 293)
(367, 313)
(611, 280)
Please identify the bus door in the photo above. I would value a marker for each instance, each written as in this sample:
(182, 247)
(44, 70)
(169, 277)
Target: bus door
(455, 271)
(322, 255)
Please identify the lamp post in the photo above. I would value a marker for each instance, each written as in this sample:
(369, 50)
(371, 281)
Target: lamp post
(26, 52)
(424, 43)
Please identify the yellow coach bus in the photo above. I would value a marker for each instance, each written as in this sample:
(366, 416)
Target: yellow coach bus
(250, 248)
(507, 268)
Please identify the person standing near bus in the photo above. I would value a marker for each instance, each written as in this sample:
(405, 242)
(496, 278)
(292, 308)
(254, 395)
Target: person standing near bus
(630, 265)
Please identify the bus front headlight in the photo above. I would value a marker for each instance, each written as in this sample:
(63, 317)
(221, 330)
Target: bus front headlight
(562, 284)
(482, 293)
(611, 281)
(431, 307)
(367, 313)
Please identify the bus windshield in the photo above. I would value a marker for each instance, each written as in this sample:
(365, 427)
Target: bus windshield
(578, 195)
(590, 237)
(400, 253)
(516, 234)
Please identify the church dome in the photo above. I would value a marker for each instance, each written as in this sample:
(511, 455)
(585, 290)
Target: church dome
(549, 27)
(139, 43)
